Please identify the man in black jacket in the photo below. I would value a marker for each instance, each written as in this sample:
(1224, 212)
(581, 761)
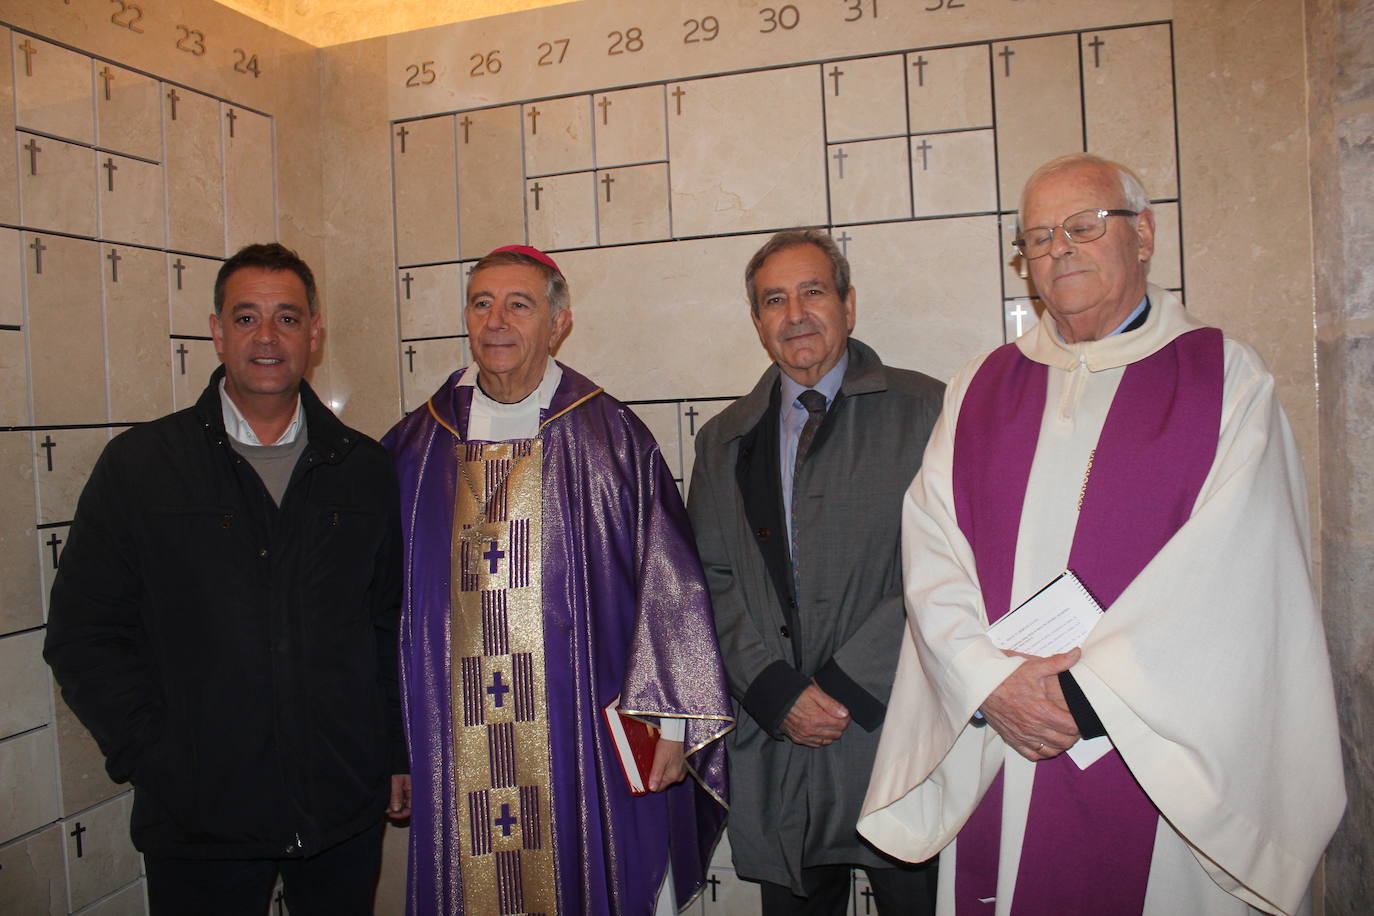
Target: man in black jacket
(224, 622)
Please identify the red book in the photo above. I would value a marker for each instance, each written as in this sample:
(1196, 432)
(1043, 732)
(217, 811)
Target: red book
(634, 742)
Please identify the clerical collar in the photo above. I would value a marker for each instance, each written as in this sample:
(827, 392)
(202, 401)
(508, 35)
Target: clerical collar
(1135, 319)
(491, 421)
(239, 430)
(829, 385)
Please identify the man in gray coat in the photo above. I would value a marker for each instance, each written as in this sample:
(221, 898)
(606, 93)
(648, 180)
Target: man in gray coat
(796, 501)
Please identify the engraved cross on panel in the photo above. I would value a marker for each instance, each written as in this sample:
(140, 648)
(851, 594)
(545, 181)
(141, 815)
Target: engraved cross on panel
(181, 352)
(47, 445)
(535, 189)
(29, 51)
(231, 116)
(844, 239)
(607, 180)
(604, 105)
(110, 168)
(1096, 44)
(38, 249)
(840, 156)
(173, 98)
(54, 542)
(691, 413)
(920, 64)
(178, 265)
(108, 76)
(410, 352)
(402, 133)
(34, 149)
(678, 93)
(77, 831)
(466, 124)
(533, 115)
(407, 280)
(114, 258)
(1006, 54)
(835, 74)
(925, 148)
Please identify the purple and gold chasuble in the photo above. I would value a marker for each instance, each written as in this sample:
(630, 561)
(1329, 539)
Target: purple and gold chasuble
(1089, 833)
(544, 577)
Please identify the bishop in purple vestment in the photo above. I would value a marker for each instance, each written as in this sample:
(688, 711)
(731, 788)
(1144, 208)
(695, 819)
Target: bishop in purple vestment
(550, 573)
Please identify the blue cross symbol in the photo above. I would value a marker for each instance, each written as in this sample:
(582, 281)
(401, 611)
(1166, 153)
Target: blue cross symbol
(497, 689)
(506, 821)
(491, 556)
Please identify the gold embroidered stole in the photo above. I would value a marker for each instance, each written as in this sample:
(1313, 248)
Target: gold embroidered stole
(500, 716)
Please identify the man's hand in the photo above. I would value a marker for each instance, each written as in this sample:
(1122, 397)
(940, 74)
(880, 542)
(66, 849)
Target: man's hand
(399, 808)
(816, 719)
(669, 765)
(1028, 708)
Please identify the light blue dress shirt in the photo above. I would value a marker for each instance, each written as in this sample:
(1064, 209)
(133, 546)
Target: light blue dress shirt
(792, 417)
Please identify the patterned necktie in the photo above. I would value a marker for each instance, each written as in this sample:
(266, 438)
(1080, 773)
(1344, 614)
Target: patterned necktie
(814, 402)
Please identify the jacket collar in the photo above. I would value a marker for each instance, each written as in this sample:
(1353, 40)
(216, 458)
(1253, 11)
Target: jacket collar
(324, 431)
(865, 375)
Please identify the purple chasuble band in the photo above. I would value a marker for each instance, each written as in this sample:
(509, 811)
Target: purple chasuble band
(1089, 833)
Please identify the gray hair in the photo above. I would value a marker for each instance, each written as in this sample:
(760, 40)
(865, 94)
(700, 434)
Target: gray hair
(790, 238)
(556, 287)
(1132, 191)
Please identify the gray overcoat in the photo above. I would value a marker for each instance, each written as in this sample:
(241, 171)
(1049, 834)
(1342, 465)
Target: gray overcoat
(793, 806)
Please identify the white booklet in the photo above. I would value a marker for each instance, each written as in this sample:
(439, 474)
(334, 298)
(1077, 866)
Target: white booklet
(1055, 619)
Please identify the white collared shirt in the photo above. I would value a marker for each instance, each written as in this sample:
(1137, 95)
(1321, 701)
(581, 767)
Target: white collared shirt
(239, 430)
(491, 421)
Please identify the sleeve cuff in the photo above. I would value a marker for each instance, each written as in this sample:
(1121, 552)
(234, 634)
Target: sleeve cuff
(866, 709)
(771, 695)
(1089, 725)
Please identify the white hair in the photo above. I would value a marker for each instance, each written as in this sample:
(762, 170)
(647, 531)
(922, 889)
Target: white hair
(1132, 191)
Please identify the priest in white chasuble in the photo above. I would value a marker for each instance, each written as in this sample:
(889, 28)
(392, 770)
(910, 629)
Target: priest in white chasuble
(549, 571)
(1125, 441)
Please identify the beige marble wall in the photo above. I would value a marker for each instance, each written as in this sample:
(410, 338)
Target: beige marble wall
(1340, 45)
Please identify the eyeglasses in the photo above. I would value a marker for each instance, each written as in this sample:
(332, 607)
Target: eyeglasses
(1087, 226)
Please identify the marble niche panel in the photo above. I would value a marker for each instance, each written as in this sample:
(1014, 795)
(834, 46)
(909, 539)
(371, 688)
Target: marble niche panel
(28, 782)
(192, 363)
(32, 875)
(23, 684)
(950, 89)
(9, 175)
(249, 186)
(11, 279)
(14, 379)
(63, 459)
(561, 210)
(1128, 103)
(954, 173)
(491, 196)
(21, 600)
(66, 346)
(53, 89)
(425, 364)
(100, 856)
(665, 422)
(431, 301)
(558, 135)
(632, 204)
(191, 294)
(128, 112)
(629, 126)
(56, 185)
(1039, 107)
(132, 206)
(128, 901)
(869, 181)
(863, 98)
(195, 171)
(51, 541)
(728, 182)
(138, 365)
(426, 192)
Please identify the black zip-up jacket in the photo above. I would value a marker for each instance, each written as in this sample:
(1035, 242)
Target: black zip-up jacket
(236, 660)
